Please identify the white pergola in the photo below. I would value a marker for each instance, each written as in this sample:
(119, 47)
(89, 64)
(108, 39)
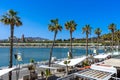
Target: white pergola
(104, 67)
(112, 62)
(47, 67)
(94, 74)
(73, 62)
(101, 56)
(5, 71)
(98, 72)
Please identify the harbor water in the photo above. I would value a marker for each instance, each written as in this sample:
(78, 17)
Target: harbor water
(39, 54)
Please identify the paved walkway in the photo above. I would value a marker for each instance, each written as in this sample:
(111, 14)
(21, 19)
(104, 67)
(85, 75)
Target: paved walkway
(22, 72)
(25, 71)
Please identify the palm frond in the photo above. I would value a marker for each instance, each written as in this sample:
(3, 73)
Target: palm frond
(54, 26)
(51, 28)
(87, 29)
(71, 25)
(98, 31)
(11, 18)
(83, 30)
(112, 27)
(18, 23)
(12, 12)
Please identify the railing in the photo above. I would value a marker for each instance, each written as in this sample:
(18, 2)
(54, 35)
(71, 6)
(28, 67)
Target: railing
(115, 78)
(69, 77)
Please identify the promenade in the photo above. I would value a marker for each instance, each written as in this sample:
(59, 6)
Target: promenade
(23, 71)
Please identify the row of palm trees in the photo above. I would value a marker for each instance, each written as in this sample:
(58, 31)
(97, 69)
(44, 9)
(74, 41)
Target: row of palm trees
(11, 18)
(71, 26)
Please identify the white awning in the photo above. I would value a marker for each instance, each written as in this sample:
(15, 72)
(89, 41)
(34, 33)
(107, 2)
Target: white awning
(101, 56)
(73, 62)
(112, 62)
(46, 67)
(104, 67)
(114, 53)
(4, 71)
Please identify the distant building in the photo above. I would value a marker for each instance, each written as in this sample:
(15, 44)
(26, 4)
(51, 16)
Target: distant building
(35, 39)
(23, 38)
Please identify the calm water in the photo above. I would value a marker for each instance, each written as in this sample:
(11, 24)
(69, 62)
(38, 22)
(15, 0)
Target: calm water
(39, 54)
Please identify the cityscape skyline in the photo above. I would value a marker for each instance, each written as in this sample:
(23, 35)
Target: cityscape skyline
(36, 16)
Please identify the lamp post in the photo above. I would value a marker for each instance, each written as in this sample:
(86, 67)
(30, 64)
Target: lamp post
(18, 58)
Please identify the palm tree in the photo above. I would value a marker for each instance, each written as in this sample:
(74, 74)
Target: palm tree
(71, 26)
(112, 27)
(98, 32)
(54, 27)
(66, 63)
(47, 73)
(13, 20)
(86, 29)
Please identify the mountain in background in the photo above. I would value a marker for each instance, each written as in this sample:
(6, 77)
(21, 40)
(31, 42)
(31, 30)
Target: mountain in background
(36, 38)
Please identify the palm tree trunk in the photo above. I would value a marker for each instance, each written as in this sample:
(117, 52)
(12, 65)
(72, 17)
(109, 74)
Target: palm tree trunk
(97, 41)
(66, 70)
(11, 50)
(52, 49)
(118, 44)
(71, 45)
(98, 44)
(86, 44)
(112, 39)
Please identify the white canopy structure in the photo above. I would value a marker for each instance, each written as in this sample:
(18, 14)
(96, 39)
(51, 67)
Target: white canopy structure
(104, 67)
(112, 62)
(98, 72)
(114, 53)
(5, 71)
(73, 62)
(101, 56)
(46, 67)
(91, 74)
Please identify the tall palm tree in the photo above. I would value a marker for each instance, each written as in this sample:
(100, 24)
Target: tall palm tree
(54, 27)
(98, 32)
(112, 27)
(71, 26)
(13, 20)
(86, 29)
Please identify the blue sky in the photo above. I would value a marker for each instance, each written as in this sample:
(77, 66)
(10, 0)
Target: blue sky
(36, 15)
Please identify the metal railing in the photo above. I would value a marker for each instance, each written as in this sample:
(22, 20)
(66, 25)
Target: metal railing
(115, 78)
(69, 77)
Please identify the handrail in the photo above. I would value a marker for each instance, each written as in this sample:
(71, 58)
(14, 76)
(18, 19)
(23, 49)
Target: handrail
(116, 78)
(71, 76)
